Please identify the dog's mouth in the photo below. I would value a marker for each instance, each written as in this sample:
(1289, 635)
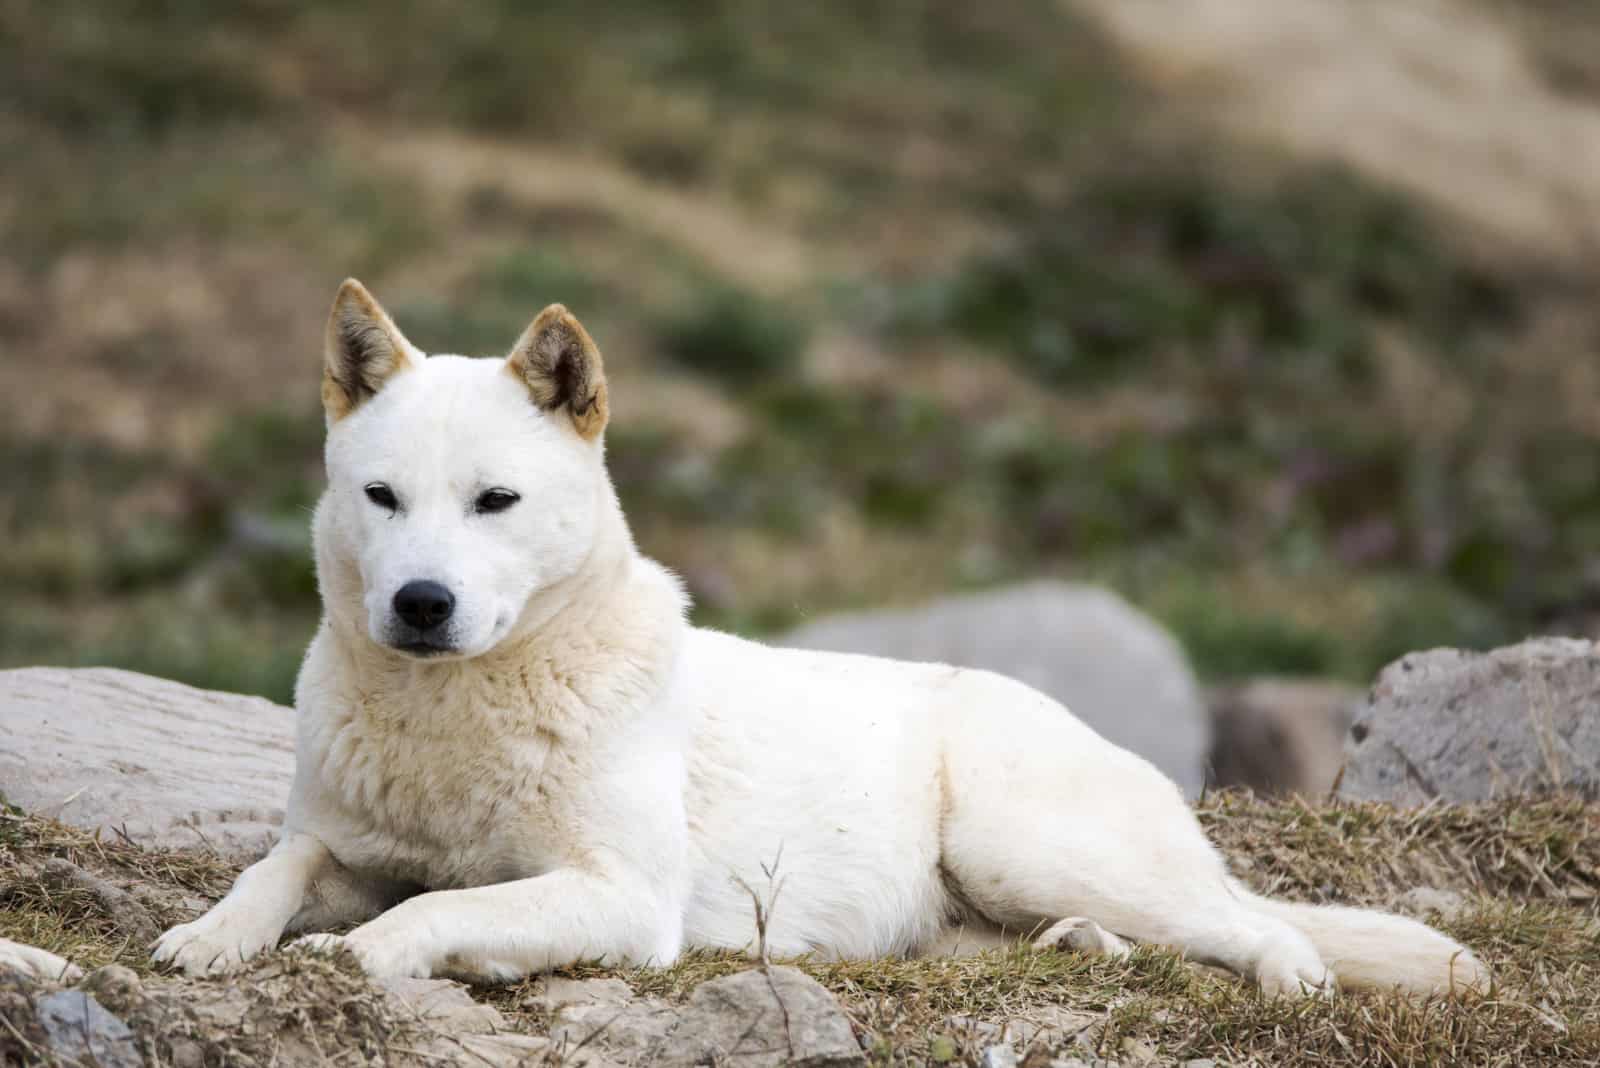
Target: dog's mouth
(423, 648)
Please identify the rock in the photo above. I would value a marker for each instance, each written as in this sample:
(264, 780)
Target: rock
(1045, 1025)
(172, 765)
(552, 993)
(452, 1028)
(1280, 736)
(1136, 1052)
(999, 1057)
(1054, 1024)
(974, 1028)
(1117, 669)
(630, 1030)
(80, 1030)
(457, 1029)
(1462, 726)
(772, 1016)
(1419, 901)
(114, 986)
(187, 1053)
(444, 1005)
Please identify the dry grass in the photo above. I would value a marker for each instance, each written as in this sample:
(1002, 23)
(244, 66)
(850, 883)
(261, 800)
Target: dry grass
(1529, 873)
(173, 886)
(1547, 850)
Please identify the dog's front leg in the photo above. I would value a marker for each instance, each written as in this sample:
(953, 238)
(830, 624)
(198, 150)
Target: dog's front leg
(503, 932)
(298, 884)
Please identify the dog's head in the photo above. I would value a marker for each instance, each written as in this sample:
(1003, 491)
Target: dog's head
(458, 489)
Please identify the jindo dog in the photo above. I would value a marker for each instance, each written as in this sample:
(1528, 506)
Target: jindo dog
(514, 753)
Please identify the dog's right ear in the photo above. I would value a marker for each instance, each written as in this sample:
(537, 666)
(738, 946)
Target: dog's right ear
(361, 351)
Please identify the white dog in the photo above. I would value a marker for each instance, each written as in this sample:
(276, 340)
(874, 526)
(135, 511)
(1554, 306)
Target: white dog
(514, 753)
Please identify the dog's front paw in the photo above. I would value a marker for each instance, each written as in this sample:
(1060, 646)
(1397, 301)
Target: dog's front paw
(381, 957)
(212, 944)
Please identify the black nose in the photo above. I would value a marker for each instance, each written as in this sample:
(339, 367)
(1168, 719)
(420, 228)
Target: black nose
(424, 605)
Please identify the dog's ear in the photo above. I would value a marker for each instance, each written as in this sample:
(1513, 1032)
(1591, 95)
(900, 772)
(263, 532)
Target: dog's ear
(362, 350)
(559, 363)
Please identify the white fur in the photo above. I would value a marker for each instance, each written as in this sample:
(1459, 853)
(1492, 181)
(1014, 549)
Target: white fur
(590, 777)
(36, 963)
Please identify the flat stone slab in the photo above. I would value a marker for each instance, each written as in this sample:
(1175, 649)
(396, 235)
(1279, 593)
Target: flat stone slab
(168, 764)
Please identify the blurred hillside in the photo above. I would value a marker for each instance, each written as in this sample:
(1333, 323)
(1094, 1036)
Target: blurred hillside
(894, 298)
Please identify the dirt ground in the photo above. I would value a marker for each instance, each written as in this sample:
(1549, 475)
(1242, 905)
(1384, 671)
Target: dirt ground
(1519, 882)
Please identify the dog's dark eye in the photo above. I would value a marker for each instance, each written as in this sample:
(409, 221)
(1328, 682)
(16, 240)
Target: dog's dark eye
(382, 496)
(495, 500)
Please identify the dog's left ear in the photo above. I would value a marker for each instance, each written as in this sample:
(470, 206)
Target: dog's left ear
(559, 363)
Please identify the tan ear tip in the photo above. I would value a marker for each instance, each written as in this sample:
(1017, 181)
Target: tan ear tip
(352, 289)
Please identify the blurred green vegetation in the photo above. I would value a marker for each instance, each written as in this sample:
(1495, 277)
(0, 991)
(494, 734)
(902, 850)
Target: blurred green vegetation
(733, 335)
(1150, 256)
(1020, 324)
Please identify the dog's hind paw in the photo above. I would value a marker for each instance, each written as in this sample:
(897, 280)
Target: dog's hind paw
(1292, 970)
(1082, 935)
(36, 963)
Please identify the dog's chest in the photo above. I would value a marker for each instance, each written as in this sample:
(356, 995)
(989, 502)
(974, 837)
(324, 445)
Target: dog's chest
(446, 806)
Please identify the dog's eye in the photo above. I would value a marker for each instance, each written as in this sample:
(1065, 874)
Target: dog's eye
(495, 500)
(382, 496)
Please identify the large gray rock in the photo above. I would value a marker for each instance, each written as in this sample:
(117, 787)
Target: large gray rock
(1116, 668)
(1464, 726)
(170, 764)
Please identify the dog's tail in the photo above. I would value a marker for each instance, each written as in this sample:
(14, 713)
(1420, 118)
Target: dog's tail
(1379, 951)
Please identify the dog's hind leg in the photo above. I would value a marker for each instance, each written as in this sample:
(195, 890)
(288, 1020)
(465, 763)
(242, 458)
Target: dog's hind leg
(1055, 822)
(1183, 903)
(1045, 819)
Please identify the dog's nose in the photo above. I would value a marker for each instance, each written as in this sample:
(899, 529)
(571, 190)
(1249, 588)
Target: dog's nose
(424, 605)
